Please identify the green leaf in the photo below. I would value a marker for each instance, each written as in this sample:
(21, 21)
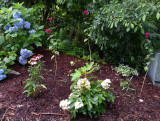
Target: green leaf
(85, 40)
(128, 29)
(76, 75)
(158, 15)
(89, 105)
(132, 26)
(7, 60)
(144, 18)
(145, 68)
(43, 86)
(12, 57)
(38, 44)
(1, 39)
(25, 44)
(41, 27)
(135, 30)
(110, 97)
(142, 30)
(111, 26)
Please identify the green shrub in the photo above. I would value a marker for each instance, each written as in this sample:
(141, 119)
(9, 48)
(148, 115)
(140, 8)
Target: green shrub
(87, 97)
(119, 27)
(18, 29)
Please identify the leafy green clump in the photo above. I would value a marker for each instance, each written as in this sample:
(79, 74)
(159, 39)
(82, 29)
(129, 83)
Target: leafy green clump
(125, 70)
(87, 97)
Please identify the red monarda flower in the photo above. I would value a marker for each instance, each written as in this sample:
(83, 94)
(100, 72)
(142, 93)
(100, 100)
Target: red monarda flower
(48, 31)
(50, 19)
(86, 12)
(147, 34)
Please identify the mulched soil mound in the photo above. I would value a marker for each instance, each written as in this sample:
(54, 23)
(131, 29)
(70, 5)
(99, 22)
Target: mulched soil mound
(131, 106)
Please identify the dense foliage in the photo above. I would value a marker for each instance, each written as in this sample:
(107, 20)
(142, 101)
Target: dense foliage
(18, 29)
(119, 31)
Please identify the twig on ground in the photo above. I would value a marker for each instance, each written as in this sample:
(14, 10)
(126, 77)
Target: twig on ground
(143, 83)
(4, 114)
(58, 114)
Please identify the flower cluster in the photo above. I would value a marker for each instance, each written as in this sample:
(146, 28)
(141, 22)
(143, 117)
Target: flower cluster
(2, 75)
(83, 83)
(78, 105)
(34, 60)
(64, 104)
(48, 31)
(106, 83)
(25, 54)
(20, 24)
(32, 31)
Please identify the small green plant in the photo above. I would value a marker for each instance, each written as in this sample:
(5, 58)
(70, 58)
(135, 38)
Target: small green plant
(87, 97)
(125, 85)
(34, 82)
(125, 70)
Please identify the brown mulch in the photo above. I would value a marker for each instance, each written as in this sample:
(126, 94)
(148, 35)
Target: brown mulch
(15, 106)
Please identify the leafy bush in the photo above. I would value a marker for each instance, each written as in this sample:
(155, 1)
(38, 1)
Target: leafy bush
(119, 31)
(87, 98)
(18, 29)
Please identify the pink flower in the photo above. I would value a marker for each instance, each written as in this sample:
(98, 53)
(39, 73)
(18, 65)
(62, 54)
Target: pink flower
(48, 31)
(34, 59)
(39, 56)
(33, 63)
(147, 34)
(50, 19)
(86, 12)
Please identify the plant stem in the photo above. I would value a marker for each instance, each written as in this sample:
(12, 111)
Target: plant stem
(90, 53)
(143, 81)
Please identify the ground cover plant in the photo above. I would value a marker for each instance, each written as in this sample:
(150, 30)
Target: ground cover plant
(74, 76)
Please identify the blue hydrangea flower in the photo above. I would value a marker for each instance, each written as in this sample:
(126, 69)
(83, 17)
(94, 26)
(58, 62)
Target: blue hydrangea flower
(2, 77)
(25, 53)
(27, 25)
(1, 71)
(22, 60)
(17, 15)
(14, 28)
(20, 23)
(7, 27)
(32, 31)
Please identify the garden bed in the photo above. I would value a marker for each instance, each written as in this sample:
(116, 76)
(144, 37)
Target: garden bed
(127, 106)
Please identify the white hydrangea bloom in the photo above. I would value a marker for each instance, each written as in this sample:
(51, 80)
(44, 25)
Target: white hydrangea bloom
(106, 83)
(75, 87)
(83, 83)
(78, 105)
(64, 104)
(71, 95)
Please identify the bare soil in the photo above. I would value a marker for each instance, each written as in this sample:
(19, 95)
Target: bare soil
(131, 106)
